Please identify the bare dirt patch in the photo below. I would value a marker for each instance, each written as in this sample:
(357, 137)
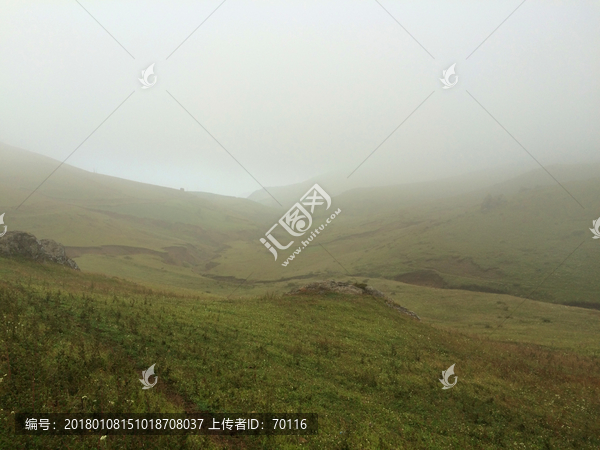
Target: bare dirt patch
(427, 278)
(179, 255)
(465, 267)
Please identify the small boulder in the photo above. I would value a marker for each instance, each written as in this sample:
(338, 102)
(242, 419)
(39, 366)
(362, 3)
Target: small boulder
(20, 243)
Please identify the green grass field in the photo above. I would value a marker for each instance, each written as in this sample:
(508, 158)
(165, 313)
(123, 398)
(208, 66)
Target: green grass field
(370, 372)
(180, 280)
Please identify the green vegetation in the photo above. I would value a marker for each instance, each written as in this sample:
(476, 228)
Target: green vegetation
(78, 342)
(516, 237)
(525, 246)
(502, 317)
(179, 279)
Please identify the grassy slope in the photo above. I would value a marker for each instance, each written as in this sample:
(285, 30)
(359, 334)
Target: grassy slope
(126, 212)
(370, 372)
(502, 317)
(513, 248)
(82, 209)
(381, 232)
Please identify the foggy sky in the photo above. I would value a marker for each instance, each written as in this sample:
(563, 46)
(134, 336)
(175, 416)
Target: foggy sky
(294, 89)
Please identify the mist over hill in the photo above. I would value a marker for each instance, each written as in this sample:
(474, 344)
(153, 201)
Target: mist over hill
(438, 233)
(336, 183)
(381, 218)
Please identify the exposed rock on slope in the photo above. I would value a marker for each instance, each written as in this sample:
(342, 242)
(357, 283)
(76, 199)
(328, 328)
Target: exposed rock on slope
(341, 287)
(20, 243)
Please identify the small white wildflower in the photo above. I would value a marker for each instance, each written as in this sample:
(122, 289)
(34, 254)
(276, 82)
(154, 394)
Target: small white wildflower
(103, 437)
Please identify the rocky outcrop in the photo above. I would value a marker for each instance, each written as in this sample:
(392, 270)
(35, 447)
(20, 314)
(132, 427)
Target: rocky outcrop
(323, 287)
(342, 287)
(20, 243)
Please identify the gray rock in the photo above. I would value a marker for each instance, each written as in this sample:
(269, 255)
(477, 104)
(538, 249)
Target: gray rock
(20, 243)
(322, 287)
(342, 287)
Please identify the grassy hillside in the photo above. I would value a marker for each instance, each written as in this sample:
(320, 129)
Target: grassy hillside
(520, 245)
(77, 342)
(378, 189)
(439, 234)
(97, 214)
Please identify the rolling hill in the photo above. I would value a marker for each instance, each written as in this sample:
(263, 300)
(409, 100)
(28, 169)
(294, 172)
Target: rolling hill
(180, 280)
(523, 236)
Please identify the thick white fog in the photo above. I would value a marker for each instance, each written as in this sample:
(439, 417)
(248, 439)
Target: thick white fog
(294, 89)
